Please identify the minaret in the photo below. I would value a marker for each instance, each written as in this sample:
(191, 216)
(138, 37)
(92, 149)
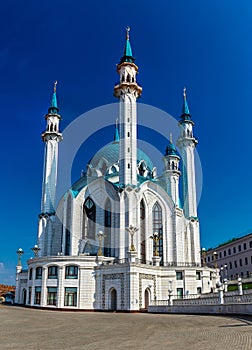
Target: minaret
(187, 143)
(51, 137)
(171, 172)
(127, 90)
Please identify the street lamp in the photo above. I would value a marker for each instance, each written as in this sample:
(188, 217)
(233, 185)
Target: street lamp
(170, 293)
(225, 267)
(155, 237)
(35, 250)
(100, 235)
(203, 255)
(132, 230)
(19, 252)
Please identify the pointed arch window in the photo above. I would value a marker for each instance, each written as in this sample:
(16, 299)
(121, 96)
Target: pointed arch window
(142, 228)
(107, 228)
(157, 226)
(90, 216)
(68, 230)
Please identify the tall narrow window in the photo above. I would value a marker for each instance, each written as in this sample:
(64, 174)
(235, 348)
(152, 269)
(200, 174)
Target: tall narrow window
(37, 295)
(158, 227)
(142, 228)
(51, 295)
(89, 212)
(38, 273)
(70, 296)
(68, 223)
(107, 229)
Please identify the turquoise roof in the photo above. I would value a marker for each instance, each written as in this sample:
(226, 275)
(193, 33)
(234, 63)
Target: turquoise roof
(171, 150)
(185, 109)
(54, 105)
(116, 135)
(127, 49)
(54, 100)
(185, 116)
(127, 53)
(110, 153)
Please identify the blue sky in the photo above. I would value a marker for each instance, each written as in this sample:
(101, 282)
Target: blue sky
(203, 45)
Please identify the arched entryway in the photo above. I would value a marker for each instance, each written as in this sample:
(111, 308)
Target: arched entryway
(113, 299)
(24, 296)
(146, 298)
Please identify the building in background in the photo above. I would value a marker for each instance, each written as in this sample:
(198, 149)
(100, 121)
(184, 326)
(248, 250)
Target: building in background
(234, 258)
(121, 235)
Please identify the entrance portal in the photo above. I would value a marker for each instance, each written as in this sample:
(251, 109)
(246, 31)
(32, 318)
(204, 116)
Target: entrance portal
(24, 296)
(113, 299)
(146, 298)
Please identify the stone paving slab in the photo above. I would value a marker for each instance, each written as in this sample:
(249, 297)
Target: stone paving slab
(23, 328)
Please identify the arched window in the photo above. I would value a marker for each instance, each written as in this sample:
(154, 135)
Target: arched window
(123, 79)
(89, 212)
(158, 227)
(68, 223)
(107, 228)
(128, 78)
(142, 228)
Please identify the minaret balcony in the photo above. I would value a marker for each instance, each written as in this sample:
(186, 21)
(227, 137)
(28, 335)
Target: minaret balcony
(124, 86)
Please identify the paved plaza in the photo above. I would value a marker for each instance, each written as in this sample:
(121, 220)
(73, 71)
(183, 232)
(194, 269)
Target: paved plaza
(23, 328)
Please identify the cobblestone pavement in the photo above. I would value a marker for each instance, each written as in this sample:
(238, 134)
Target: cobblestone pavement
(22, 328)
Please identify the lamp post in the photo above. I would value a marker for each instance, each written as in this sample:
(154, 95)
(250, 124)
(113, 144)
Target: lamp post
(170, 294)
(215, 254)
(221, 274)
(100, 236)
(35, 250)
(203, 255)
(19, 252)
(132, 230)
(155, 237)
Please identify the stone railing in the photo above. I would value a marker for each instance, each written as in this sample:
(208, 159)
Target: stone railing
(209, 299)
(115, 261)
(197, 301)
(238, 299)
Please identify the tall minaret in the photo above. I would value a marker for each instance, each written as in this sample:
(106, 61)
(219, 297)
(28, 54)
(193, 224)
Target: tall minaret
(171, 172)
(127, 90)
(187, 143)
(51, 137)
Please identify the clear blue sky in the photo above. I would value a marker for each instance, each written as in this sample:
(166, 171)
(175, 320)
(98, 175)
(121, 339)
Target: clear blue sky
(204, 45)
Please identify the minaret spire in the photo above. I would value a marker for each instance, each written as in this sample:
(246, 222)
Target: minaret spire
(54, 105)
(127, 52)
(171, 172)
(51, 137)
(127, 90)
(185, 109)
(187, 143)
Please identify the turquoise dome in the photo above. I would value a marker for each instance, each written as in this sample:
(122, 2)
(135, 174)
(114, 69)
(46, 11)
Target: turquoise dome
(110, 152)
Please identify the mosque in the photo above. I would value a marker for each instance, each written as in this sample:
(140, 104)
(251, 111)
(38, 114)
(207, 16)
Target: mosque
(121, 236)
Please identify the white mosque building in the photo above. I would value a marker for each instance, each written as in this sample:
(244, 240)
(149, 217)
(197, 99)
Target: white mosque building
(121, 236)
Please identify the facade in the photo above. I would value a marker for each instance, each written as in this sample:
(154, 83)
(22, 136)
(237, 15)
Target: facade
(121, 235)
(234, 258)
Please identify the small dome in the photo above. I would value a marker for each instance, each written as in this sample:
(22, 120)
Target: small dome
(110, 153)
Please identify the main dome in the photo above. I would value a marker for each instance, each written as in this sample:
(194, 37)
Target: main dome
(110, 153)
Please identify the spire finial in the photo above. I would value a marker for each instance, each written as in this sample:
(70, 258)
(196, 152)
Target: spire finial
(55, 86)
(184, 92)
(127, 32)
(170, 137)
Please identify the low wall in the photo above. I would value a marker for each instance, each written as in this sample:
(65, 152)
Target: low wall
(239, 309)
